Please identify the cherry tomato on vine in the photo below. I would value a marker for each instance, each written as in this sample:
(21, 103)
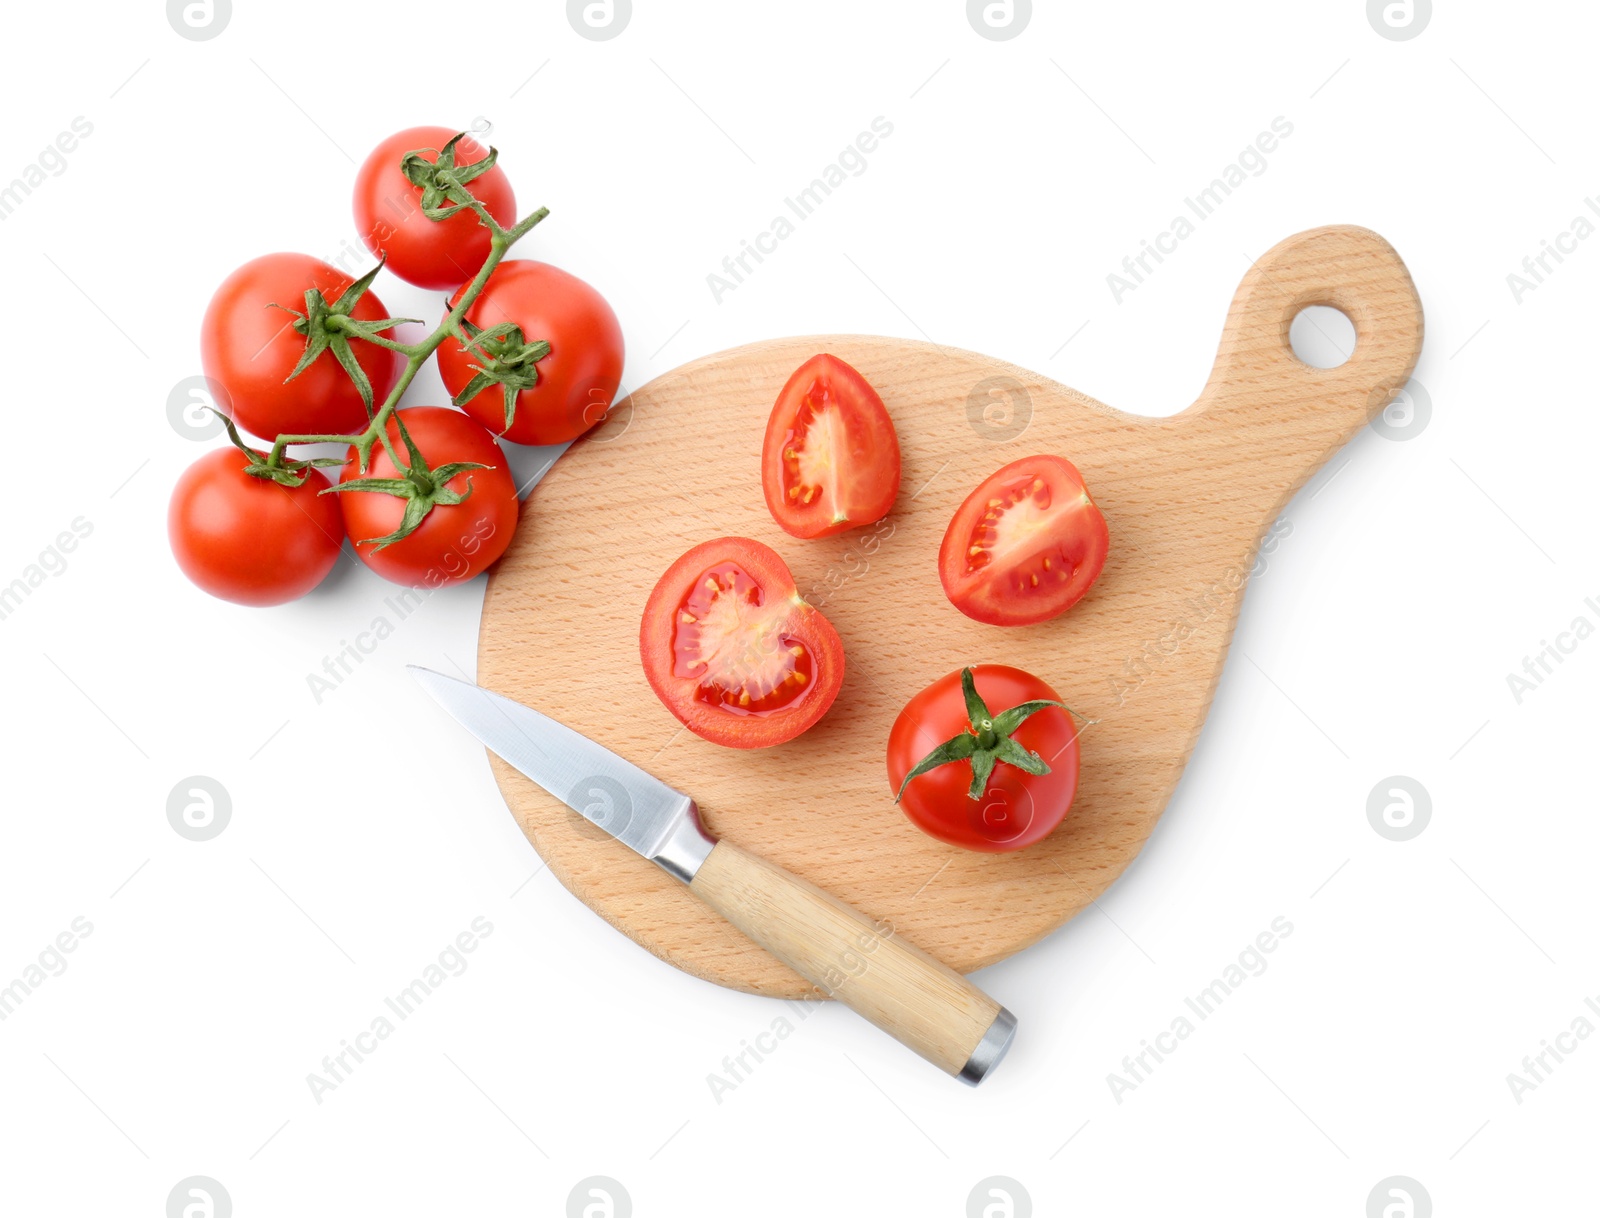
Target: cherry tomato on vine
(1025, 546)
(250, 349)
(558, 395)
(251, 540)
(388, 207)
(733, 652)
(831, 459)
(455, 541)
(1017, 733)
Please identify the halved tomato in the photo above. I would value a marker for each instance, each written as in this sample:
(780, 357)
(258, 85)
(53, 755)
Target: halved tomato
(733, 652)
(831, 460)
(1025, 546)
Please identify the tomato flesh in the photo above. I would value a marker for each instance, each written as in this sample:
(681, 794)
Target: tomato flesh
(831, 459)
(1017, 809)
(733, 652)
(1025, 546)
(734, 646)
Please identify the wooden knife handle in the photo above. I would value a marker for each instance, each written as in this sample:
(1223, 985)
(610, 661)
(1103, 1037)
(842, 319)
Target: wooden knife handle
(923, 1004)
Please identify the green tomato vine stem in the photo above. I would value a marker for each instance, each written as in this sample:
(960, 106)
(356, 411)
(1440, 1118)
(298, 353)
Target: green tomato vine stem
(501, 240)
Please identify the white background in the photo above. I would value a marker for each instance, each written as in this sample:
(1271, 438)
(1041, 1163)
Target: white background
(366, 832)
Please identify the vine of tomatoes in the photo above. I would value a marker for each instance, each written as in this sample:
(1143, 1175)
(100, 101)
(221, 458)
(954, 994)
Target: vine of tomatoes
(302, 354)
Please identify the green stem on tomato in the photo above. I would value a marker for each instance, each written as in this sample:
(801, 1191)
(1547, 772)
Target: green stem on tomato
(500, 241)
(337, 322)
(987, 744)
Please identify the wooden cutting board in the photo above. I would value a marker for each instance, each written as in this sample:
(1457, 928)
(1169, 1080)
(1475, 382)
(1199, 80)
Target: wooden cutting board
(1187, 499)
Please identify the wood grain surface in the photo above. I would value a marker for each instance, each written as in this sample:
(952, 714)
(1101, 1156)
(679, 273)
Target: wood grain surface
(1187, 499)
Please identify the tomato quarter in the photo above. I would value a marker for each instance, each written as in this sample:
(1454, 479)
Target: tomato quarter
(1025, 546)
(250, 540)
(1032, 747)
(388, 208)
(831, 459)
(249, 349)
(454, 542)
(576, 380)
(733, 652)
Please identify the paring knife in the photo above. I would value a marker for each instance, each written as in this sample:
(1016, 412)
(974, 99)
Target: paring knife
(923, 1004)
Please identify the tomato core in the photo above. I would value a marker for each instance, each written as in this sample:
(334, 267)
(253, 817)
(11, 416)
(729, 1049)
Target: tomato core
(829, 460)
(813, 449)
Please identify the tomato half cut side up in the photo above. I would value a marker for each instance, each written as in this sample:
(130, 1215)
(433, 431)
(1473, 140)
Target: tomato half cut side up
(1025, 546)
(733, 652)
(831, 459)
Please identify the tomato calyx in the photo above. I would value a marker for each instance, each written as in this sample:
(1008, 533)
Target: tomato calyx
(442, 181)
(329, 327)
(284, 472)
(423, 489)
(988, 743)
(509, 360)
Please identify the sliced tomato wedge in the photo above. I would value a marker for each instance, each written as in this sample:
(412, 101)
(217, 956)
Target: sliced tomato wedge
(831, 459)
(1025, 546)
(733, 652)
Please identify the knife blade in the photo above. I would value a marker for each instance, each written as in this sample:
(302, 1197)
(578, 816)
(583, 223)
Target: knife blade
(845, 954)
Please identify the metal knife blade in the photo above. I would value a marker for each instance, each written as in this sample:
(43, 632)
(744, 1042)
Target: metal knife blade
(636, 808)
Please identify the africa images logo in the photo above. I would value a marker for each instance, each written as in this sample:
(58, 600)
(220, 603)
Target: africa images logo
(1399, 1197)
(199, 1197)
(999, 20)
(599, 20)
(199, 20)
(999, 1197)
(599, 1197)
(1399, 20)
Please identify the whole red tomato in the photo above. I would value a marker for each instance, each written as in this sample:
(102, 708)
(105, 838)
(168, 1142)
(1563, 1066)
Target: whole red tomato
(250, 540)
(454, 542)
(576, 380)
(249, 349)
(1024, 798)
(731, 649)
(429, 253)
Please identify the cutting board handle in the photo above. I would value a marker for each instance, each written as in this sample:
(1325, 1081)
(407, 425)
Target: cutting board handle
(1297, 416)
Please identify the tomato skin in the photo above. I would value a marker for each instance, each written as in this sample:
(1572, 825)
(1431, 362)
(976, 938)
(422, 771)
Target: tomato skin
(455, 542)
(250, 540)
(579, 377)
(1017, 809)
(435, 254)
(250, 349)
(827, 403)
(791, 622)
(1059, 555)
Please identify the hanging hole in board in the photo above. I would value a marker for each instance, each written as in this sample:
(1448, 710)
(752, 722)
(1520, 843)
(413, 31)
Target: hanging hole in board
(1322, 336)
